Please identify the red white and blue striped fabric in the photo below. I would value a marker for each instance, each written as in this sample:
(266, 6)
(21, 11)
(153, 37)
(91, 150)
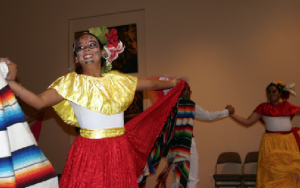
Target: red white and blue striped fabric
(22, 163)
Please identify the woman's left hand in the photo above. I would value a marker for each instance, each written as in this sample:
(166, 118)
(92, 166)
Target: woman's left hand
(12, 68)
(178, 80)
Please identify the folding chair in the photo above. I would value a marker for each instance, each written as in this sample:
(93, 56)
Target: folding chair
(249, 169)
(228, 179)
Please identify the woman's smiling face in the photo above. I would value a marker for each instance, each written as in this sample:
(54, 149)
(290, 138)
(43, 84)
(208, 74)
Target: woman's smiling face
(88, 50)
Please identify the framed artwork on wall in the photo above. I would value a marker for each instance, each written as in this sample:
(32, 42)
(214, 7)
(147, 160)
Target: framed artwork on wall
(127, 62)
(131, 31)
(135, 108)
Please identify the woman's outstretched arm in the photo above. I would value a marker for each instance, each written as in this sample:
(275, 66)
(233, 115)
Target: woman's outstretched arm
(155, 84)
(47, 98)
(254, 117)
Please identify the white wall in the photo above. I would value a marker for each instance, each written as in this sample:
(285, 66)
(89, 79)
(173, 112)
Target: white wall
(230, 50)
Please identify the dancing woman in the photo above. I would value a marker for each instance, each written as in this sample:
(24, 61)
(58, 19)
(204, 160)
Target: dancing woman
(279, 157)
(107, 153)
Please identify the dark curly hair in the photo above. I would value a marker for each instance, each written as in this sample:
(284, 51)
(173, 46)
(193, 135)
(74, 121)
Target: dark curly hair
(284, 94)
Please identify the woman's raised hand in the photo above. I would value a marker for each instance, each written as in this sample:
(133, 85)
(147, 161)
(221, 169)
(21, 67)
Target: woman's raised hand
(12, 68)
(184, 78)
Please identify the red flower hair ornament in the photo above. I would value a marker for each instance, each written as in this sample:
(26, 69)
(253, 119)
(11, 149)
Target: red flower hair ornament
(112, 46)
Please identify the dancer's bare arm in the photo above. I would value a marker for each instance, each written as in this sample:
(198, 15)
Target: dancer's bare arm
(254, 117)
(47, 98)
(155, 84)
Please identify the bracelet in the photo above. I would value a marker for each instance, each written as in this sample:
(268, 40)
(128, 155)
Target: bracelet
(22, 89)
(20, 92)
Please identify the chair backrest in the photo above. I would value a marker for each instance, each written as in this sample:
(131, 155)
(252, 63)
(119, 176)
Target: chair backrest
(229, 157)
(232, 162)
(251, 157)
(250, 163)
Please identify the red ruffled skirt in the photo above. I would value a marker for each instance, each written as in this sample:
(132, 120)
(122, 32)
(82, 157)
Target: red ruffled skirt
(117, 162)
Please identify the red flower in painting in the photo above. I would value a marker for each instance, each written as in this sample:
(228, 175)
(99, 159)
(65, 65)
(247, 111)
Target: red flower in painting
(112, 38)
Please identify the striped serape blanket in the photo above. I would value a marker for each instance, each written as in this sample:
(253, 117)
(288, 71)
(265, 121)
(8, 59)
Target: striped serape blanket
(22, 163)
(174, 143)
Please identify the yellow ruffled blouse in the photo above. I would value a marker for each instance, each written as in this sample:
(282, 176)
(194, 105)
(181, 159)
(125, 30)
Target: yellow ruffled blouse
(111, 94)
